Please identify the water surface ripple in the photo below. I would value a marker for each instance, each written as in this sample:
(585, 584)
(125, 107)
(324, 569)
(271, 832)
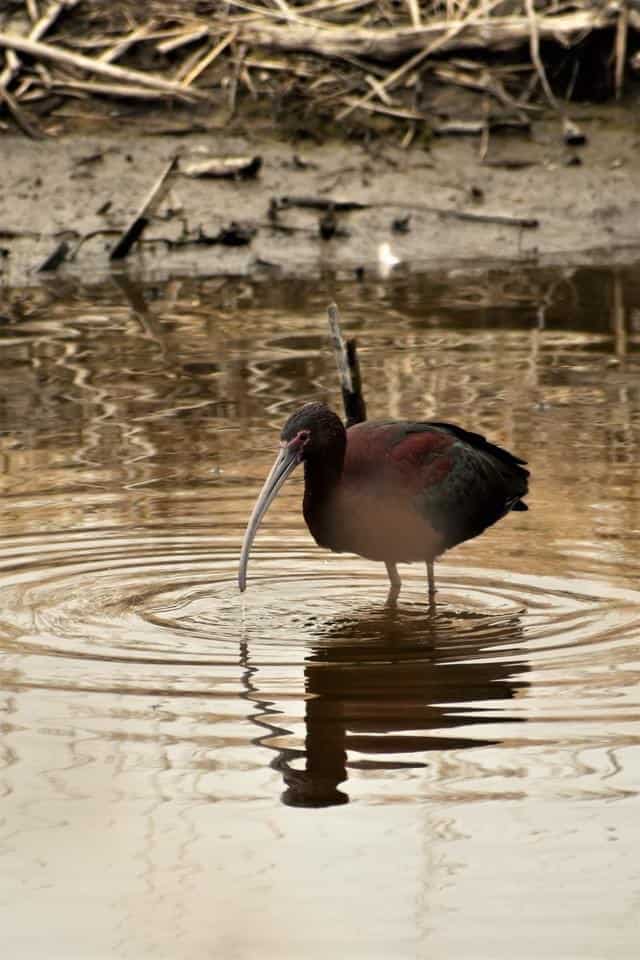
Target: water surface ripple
(209, 749)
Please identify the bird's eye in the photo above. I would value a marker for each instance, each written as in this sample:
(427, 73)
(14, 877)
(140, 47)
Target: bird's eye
(299, 442)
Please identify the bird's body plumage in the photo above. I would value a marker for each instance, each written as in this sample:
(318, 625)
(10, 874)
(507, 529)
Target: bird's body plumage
(392, 490)
(410, 490)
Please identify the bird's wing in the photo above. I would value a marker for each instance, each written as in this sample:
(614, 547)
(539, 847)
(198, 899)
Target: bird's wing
(458, 480)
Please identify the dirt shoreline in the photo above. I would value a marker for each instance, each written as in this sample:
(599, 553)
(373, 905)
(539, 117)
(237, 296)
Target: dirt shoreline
(586, 200)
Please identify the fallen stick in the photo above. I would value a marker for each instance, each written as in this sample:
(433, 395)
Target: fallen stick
(47, 51)
(317, 203)
(320, 203)
(349, 370)
(474, 128)
(496, 33)
(502, 219)
(141, 219)
(58, 256)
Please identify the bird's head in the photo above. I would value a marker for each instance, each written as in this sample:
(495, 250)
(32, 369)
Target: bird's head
(307, 436)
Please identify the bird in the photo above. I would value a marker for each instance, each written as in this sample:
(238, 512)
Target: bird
(391, 490)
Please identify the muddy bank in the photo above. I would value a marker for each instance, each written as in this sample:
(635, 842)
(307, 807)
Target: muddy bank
(585, 200)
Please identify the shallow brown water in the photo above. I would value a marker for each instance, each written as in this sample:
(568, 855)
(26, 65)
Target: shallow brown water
(300, 772)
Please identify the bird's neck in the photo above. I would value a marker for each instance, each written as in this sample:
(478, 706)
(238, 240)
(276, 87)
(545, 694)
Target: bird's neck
(322, 476)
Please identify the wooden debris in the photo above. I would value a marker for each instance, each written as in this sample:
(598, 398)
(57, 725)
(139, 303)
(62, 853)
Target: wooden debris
(124, 44)
(222, 167)
(475, 128)
(328, 223)
(166, 46)
(58, 55)
(502, 219)
(319, 203)
(334, 57)
(235, 235)
(14, 64)
(58, 256)
(476, 32)
(457, 128)
(141, 219)
(572, 134)
(621, 47)
(208, 58)
(401, 224)
(124, 90)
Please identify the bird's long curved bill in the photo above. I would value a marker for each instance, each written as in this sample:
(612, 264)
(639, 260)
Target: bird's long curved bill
(286, 462)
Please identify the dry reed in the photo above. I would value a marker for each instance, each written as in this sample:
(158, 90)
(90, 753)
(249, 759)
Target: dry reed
(322, 63)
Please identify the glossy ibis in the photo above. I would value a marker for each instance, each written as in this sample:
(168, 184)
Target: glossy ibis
(391, 490)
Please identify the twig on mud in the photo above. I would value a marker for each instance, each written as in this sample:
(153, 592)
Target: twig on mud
(476, 128)
(572, 134)
(344, 206)
(502, 219)
(55, 258)
(320, 203)
(232, 168)
(141, 219)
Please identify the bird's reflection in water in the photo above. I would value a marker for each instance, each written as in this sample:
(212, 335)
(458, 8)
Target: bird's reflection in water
(380, 683)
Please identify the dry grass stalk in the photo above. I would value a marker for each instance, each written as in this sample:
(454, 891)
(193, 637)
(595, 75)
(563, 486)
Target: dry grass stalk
(40, 27)
(59, 55)
(534, 46)
(124, 90)
(621, 47)
(121, 47)
(167, 46)
(411, 64)
(209, 57)
(339, 55)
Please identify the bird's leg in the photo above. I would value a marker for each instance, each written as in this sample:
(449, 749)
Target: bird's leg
(394, 582)
(431, 580)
